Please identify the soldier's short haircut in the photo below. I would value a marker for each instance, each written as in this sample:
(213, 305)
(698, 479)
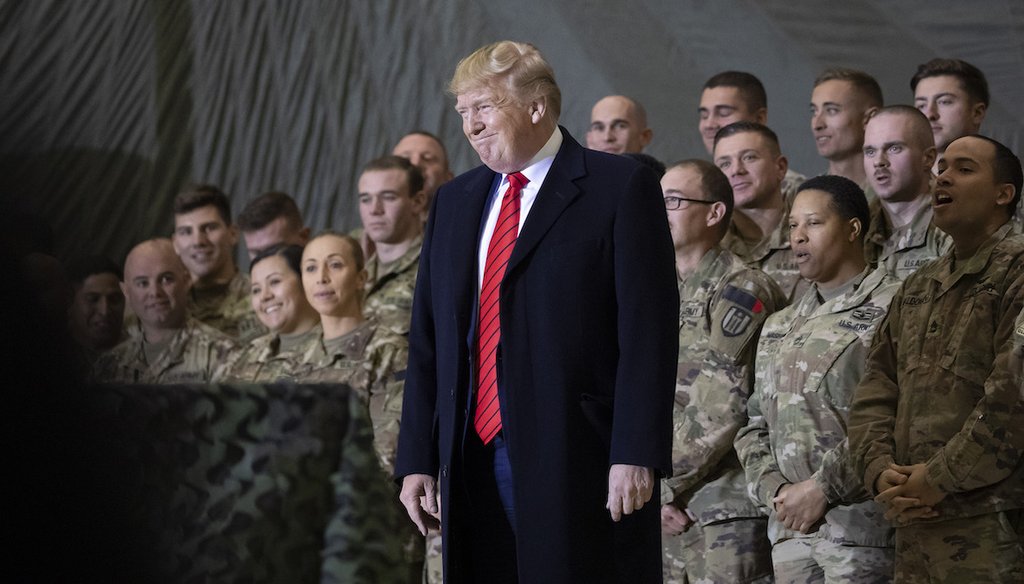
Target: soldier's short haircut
(920, 126)
(971, 79)
(750, 87)
(413, 174)
(357, 250)
(81, 268)
(291, 253)
(753, 127)
(259, 212)
(198, 196)
(845, 197)
(1006, 169)
(861, 81)
(714, 183)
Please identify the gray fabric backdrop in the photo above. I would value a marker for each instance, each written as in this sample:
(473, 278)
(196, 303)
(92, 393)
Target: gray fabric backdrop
(109, 107)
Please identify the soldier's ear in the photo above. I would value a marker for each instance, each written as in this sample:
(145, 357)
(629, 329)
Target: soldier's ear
(855, 229)
(716, 213)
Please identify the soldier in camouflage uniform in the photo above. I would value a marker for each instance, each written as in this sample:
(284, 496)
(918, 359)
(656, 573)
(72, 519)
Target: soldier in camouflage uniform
(934, 428)
(810, 356)
(391, 203)
(205, 239)
(898, 154)
(737, 96)
(748, 153)
(723, 305)
(171, 346)
(369, 357)
(96, 314)
(280, 303)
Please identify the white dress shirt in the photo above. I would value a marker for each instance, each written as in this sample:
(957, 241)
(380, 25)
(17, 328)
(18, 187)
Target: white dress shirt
(536, 170)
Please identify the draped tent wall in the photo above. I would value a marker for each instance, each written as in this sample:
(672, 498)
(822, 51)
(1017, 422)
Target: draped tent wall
(110, 107)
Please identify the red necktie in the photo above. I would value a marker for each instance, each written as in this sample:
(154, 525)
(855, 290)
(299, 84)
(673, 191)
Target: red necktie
(487, 418)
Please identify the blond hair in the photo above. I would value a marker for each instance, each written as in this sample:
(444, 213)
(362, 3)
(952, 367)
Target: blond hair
(515, 69)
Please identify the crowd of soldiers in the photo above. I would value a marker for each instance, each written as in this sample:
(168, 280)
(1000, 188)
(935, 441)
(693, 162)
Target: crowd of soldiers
(850, 346)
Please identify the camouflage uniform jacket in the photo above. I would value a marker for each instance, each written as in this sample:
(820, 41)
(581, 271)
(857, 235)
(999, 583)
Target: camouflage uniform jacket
(261, 361)
(195, 354)
(790, 183)
(809, 359)
(389, 293)
(372, 360)
(723, 305)
(937, 390)
(227, 309)
(772, 255)
(902, 251)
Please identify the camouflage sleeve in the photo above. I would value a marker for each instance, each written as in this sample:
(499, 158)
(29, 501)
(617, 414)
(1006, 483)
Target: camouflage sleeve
(754, 449)
(738, 312)
(360, 541)
(872, 419)
(387, 382)
(716, 411)
(990, 444)
(836, 477)
(717, 408)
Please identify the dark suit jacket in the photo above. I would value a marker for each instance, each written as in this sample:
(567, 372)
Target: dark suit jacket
(586, 365)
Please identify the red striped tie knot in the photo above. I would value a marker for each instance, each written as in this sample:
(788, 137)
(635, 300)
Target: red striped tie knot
(517, 180)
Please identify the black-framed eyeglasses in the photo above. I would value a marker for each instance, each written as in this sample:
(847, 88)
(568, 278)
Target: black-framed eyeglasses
(673, 203)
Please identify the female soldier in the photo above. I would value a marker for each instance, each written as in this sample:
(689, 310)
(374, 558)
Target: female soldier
(369, 358)
(280, 304)
(822, 524)
(353, 350)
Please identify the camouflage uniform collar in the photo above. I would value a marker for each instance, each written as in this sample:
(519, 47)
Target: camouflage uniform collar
(238, 283)
(174, 354)
(265, 347)
(856, 292)
(948, 277)
(410, 258)
(706, 264)
(757, 251)
(351, 345)
(911, 235)
(268, 347)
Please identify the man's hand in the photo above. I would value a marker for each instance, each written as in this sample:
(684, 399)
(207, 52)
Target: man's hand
(800, 505)
(915, 498)
(629, 487)
(888, 479)
(674, 521)
(420, 497)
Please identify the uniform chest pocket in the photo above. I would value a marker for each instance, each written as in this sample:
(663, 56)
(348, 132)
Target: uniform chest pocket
(967, 346)
(810, 358)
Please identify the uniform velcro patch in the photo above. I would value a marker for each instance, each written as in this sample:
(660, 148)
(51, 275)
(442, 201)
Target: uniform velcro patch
(743, 298)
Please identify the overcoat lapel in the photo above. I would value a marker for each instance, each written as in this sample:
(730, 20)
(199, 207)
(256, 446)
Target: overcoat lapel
(557, 192)
(464, 240)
